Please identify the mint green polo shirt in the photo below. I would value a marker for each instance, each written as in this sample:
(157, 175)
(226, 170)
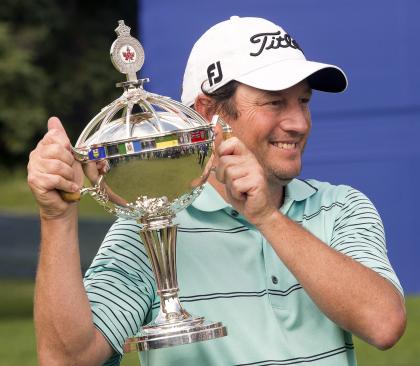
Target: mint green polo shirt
(228, 272)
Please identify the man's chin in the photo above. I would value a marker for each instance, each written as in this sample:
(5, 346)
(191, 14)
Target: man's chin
(282, 180)
(284, 177)
(285, 182)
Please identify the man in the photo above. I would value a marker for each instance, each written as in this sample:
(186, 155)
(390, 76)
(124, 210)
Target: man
(292, 267)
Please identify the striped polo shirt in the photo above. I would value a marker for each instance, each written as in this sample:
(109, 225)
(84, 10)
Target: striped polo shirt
(228, 272)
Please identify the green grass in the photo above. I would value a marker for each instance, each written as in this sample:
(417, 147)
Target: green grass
(407, 350)
(17, 299)
(17, 346)
(15, 194)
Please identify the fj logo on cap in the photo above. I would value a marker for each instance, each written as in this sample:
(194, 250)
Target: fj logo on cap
(214, 77)
(273, 41)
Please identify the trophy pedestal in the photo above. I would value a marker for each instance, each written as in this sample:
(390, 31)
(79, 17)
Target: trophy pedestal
(173, 326)
(194, 329)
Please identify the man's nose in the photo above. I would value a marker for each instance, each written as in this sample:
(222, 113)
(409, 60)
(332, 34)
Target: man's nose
(298, 119)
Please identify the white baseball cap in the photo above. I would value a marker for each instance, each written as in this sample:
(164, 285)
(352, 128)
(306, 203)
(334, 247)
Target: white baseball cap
(255, 52)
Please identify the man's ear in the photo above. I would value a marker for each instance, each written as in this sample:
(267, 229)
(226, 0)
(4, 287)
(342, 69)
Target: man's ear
(205, 106)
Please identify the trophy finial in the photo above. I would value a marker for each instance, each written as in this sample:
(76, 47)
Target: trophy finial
(122, 29)
(127, 54)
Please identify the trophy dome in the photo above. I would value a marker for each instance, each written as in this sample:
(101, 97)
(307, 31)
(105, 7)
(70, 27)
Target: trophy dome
(146, 156)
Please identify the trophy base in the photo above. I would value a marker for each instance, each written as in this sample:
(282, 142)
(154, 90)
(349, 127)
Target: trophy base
(193, 330)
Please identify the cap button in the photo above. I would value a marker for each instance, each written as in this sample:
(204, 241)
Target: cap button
(234, 17)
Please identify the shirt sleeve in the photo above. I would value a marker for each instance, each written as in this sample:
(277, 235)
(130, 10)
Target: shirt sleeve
(120, 285)
(359, 233)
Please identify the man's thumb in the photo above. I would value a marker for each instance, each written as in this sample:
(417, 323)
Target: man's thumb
(55, 123)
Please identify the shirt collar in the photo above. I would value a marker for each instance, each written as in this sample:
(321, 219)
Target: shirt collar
(299, 190)
(210, 200)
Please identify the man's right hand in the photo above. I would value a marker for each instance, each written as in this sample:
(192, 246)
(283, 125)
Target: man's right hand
(52, 167)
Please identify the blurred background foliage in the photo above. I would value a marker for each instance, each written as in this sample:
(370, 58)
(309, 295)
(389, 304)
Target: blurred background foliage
(54, 60)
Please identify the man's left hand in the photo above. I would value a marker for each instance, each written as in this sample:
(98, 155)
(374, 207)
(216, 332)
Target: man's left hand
(245, 181)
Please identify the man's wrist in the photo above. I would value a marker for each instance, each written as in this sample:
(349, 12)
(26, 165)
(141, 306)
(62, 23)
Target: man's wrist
(269, 221)
(68, 215)
(63, 225)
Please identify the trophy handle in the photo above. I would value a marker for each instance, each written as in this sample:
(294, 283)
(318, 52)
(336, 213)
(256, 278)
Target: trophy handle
(81, 156)
(226, 129)
(76, 196)
(70, 196)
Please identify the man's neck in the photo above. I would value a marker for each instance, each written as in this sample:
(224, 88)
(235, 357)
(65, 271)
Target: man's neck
(276, 192)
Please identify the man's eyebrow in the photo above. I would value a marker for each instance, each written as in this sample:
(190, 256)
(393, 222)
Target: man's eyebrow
(273, 93)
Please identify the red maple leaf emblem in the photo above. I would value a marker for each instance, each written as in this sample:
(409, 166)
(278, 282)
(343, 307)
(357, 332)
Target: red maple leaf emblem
(128, 55)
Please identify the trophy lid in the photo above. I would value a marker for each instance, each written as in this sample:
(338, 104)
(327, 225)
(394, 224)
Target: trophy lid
(140, 117)
(142, 131)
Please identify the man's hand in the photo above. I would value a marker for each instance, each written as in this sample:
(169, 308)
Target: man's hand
(245, 181)
(52, 167)
(64, 329)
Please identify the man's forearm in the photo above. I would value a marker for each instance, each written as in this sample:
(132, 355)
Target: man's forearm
(350, 294)
(63, 318)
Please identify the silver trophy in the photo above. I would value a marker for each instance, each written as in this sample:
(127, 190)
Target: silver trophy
(138, 140)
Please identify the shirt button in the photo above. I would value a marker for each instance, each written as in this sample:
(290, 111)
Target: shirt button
(235, 213)
(275, 280)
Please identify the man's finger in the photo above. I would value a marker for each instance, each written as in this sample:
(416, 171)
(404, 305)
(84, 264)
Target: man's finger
(57, 167)
(228, 162)
(56, 151)
(55, 123)
(239, 188)
(218, 139)
(232, 146)
(53, 181)
(56, 134)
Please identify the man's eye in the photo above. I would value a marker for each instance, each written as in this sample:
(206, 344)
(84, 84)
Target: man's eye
(305, 100)
(275, 103)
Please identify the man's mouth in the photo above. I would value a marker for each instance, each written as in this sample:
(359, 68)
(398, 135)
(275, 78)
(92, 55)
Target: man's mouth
(285, 145)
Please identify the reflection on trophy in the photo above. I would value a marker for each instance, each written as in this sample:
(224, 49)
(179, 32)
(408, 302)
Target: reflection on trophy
(137, 140)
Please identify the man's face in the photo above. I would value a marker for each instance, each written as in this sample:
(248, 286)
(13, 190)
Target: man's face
(275, 127)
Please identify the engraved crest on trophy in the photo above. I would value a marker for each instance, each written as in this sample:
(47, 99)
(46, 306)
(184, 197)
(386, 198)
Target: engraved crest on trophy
(132, 143)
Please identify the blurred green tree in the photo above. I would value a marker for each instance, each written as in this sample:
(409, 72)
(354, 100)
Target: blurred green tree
(54, 61)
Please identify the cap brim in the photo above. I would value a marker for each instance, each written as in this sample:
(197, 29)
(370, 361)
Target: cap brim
(284, 74)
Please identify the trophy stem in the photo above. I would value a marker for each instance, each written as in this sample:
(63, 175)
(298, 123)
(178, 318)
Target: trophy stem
(173, 325)
(159, 237)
